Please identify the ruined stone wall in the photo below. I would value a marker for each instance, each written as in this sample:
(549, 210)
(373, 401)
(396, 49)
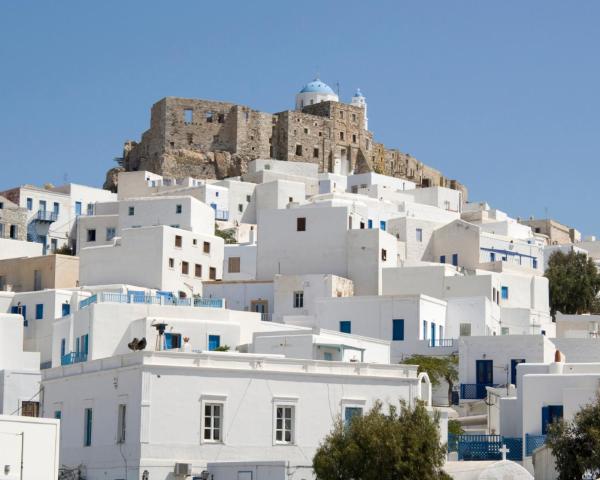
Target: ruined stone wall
(207, 139)
(12, 215)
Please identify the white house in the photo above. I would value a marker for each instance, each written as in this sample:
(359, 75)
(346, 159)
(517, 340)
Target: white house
(174, 412)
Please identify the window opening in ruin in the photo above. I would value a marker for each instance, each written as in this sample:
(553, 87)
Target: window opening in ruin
(341, 114)
(341, 135)
(354, 117)
(315, 153)
(188, 115)
(306, 130)
(209, 117)
(190, 138)
(221, 118)
(353, 138)
(299, 150)
(320, 134)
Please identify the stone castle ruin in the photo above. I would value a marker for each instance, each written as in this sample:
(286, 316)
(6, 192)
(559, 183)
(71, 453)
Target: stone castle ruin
(214, 140)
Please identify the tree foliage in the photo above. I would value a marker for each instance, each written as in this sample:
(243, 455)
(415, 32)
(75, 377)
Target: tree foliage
(228, 235)
(574, 283)
(576, 444)
(437, 368)
(399, 445)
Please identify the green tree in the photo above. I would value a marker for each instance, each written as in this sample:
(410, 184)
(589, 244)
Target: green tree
(574, 283)
(399, 445)
(228, 235)
(437, 368)
(576, 444)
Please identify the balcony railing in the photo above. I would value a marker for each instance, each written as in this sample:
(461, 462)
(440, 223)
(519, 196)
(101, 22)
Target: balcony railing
(110, 297)
(442, 342)
(46, 216)
(533, 442)
(73, 357)
(474, 391)
(221, 214)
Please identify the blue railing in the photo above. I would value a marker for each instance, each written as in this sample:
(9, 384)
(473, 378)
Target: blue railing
(485, 447)
(441, 342)
(111, 297)
(532, 442)
(46, 216)
(73, 357)
(474, 391)
(86, 302)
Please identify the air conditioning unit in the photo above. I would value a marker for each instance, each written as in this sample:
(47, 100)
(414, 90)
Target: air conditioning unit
(183, 469)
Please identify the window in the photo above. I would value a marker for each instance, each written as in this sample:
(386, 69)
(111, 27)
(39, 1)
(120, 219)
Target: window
(53, 245)
(424, 329)
(171, 263)
(369, 223)
(213, 417)
(327, 356)
(382, 225)
(513, 369)
(39, 311)
(398, 330)
(350, 413)
(30, 204)
(178, 208)
(206, 247)
(284, 424)
(209, 117)
(301, 224)
(111, 232)
(346, 326)
(504, 331)
(534, 263)
(56, 208)
(315, 153)
(465, 329)
(63, 347)
(188, 115)
(240, 207)
(214, 342)
(221, 118)
(87, 427)
(248, 198)
(195, 242)
(212, 273)
(298, 299)
(341, 114)
(383, 254)
(178, 241)
(504, 291)
(354, 117)
(419, 233)
(121, 423)
(492, 256)
(341, 135)
(131, 211)
(234, 265)
(57, 414)
(455, 259)
(442, 258)
(78, 208)
(30, 409)
(197, 270)
(185, 268)
(299, 150)
(306, 131)
(91, 235)
(90, 209)
(353, 138)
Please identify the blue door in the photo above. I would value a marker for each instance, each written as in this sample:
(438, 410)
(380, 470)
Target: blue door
(455, 259)
(513, 369)
(550, 414)
(66, 309)
(172, 340)
(214, 342)
(485, 372)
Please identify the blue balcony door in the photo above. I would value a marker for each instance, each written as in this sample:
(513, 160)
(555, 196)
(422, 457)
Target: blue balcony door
(484, 372)
(66, 309)
(42, 205)
(513, 369)
(214, 342)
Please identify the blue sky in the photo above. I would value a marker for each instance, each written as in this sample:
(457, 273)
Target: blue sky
(502, 96)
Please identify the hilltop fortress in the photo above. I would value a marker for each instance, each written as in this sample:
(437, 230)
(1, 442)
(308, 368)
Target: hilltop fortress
(215, 140)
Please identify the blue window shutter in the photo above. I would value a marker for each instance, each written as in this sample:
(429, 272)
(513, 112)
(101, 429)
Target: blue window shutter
(77, 345)
(66, 309)
(545, 419)
(504, 293)
(455, 259)
(382, 225)
(398, 330)
(24, 310)
(214, 342)
(14, 309)
(370, 223)
(84, 342)
(442, 258)
(345, 326)
(39, 311)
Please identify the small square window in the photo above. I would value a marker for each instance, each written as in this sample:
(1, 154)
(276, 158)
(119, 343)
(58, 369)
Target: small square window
(299, 299)
(178, 241)
(233, 265)
(185, 268)
(206, 247)
(178, 208)
(240, 207)
(301, 224)
(213, 422)
(248, 198)
(346, 326)
(111, 232)
(299, 150)
(284, 424)
(131, 211)
(419, 233)
(198, 270)
(383, 254)
(212, 273)
(171, 263)
(341, 135)
(504, 293)
(195, 242)
(315, 153)
(91, 235)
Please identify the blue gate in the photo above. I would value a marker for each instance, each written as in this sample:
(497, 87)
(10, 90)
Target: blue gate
(479, 447)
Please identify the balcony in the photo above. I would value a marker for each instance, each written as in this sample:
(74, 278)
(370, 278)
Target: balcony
(474, 391)
(73, 357)
(110, 297)
(44, 216)
(221, 214)
(442, 342)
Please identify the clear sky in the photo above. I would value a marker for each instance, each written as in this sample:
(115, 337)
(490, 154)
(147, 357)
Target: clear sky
(502, 96)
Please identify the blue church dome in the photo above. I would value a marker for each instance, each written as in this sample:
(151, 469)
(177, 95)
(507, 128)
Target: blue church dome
(317, 86)
(358, 93)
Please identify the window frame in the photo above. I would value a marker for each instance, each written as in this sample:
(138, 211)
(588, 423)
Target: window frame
(298, 299)
(212, 401)
(88, 426)
(285, 403)
(121, 423)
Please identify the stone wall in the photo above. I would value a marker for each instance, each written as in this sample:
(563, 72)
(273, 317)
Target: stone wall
(11, 215)
(208, 139)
